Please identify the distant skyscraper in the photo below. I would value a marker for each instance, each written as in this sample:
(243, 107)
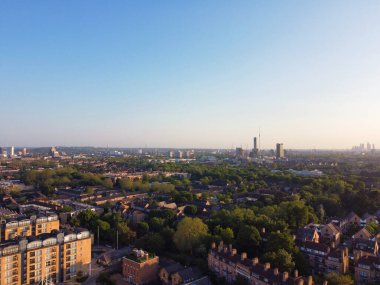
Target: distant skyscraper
(24, 151)
(280, 151)
(255, 150)
(12, 150)
(368, 146)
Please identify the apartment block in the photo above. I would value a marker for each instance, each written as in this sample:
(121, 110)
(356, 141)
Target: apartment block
(226, 263)
(27, 226)
(324, 259)
(140, 267)
(56, 257)
(367, 270)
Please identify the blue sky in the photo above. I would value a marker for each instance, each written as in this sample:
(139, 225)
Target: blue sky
(189, 73)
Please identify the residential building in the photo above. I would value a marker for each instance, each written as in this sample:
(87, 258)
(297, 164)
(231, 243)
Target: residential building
(174, 273)
(27, 226)
(56, 257)
(331, 234)
(226, 263)
(367, 270)
(364, 247)
(280, 153)
(324, 259)
(140, 267)
(307, 234)
(363, 233)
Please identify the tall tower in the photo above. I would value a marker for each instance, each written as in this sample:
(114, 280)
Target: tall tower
(12, 150)
(280, 151)
(255, 152)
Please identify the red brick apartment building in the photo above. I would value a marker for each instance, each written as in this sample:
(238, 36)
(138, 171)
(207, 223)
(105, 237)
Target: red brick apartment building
(140, 267)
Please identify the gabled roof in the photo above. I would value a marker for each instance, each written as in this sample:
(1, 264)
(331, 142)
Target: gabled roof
(333, 228)
(351, 216)
(364, 233)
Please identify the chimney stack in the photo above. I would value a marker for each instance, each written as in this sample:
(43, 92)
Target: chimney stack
(255, 261)
(285, 276)
(266, 266)
(296, 273)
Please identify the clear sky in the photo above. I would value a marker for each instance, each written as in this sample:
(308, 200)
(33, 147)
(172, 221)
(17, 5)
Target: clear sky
(189, 73)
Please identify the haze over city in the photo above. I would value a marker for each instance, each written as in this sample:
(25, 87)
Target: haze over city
(189, 74)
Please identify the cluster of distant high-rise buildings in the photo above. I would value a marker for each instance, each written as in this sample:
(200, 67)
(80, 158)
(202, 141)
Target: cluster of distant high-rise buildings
(364, 148)
(10, 152)
(256, 153)
(181, 154)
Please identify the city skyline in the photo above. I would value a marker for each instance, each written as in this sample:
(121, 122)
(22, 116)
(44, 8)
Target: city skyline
(190, 75)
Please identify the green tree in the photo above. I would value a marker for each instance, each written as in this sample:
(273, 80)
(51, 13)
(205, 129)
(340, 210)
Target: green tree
(89, 190)
(191, 210)
(189, 234)
(107, 182)
(278, 240)
(126, 235)
(248, 239)
(152, 242)
(227, 234)
(335, 279)
(142, 228)
(280, 259)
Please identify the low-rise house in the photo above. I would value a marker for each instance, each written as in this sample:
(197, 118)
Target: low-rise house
(171, 206)
(167, 269)
(350, 220)
(368, 219)
(137, 217)
(363, 233)
(331, 234)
